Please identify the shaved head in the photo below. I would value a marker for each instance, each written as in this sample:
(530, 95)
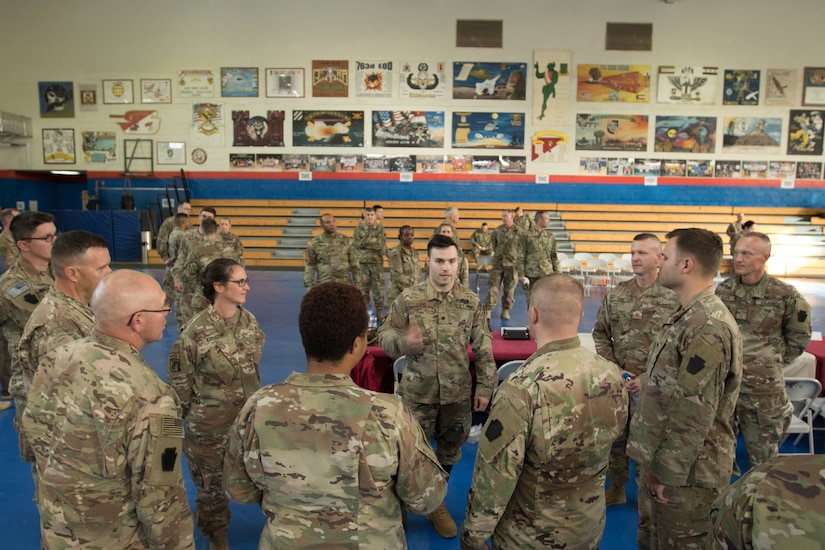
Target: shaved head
(559, 300)
(120, 294)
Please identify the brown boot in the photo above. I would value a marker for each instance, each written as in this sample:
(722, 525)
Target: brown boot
(218, 541)
(615, 495)
(442, 522)
(505, 314)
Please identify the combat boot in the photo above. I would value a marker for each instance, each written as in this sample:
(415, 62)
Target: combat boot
(443, 522)
(505, 314)
(218, 541)
(615, 495)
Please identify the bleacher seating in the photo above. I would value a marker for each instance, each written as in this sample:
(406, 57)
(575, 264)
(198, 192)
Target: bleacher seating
(275, 232)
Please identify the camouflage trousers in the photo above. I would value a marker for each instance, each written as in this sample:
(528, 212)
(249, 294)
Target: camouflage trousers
(618, 469)
(183, 308)
(681, 524)
(5, 363)
(507, 275)
(449, 424)
(169, 285)
(763, 419)
(372, 279)
(205, 458)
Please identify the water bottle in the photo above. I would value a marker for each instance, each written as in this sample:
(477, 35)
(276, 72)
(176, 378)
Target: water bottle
(373, 319)
(627, 378)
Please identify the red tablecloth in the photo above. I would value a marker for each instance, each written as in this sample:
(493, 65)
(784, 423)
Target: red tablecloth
(817, 349)
(374, 372)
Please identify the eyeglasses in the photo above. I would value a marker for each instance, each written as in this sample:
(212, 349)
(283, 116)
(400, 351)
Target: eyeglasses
(47, 238)
(240, 282)
(165, 311)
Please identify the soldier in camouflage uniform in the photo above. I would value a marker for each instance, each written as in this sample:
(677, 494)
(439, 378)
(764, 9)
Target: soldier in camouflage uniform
(370, 242)
(162, 245)
(331, 256)
(522, 220)
(10, 253)
(432, 323)
(405, 264)
(8, 246)
(505, 260)
(230, 238)
(25, 283)
(210, 248)
(538, 255)
(682, 436)
(775, 322)
(332, 465)
(109, 460)
(80, 259)
(183, 294)
(627, 323)
(776, 505)
(213, 367)
(540, 469)
(482, 243)
(182, 225)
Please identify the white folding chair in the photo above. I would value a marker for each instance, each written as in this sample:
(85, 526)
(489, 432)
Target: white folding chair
(583, 256)
(801, 392)
(397, 371)
(573, 267)
(506, 370)
(596, 273)
(608, 257)
(622, 270)
(562, 255)
(627, 256)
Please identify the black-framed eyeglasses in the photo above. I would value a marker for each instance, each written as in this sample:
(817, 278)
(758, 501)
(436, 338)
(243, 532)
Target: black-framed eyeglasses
(240, 282)
(165, 310)
(47, 238)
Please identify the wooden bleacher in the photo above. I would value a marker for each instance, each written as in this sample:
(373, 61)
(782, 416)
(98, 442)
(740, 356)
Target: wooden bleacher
(275, 232)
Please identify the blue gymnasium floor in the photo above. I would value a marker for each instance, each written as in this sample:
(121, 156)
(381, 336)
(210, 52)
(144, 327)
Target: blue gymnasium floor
(275, 299)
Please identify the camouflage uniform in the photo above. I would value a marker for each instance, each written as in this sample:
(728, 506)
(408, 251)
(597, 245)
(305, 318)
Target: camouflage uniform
(505, 261)
(202, 254)
(775, 322)
(682, 433)
(331, 464)
(334, 259)
(20, 292)
(540, 471)
(8, 248)
(162, 244)
(109, 461)
(524, 222)
(174, 238)
(56, 321)
(776, 505)
(481, 240)
(538, 256)
(371, 259)
(405, 270)
(627, 324)
(213, 367)
(183, 300)
(232, 240)
(439, 380)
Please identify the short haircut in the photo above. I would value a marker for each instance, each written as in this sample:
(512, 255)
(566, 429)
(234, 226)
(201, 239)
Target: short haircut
(210, 210)
(218, 271)
(517, 209)
(450, 210)
(182, 205)
(540, 213)
(402, 229)
(332, 315)
(181, 218)
(377, 207)
(226, 218)
(647, 236)
(368, 210)
(559, 299)
(484, 224)
(748, 224)
(7, 214)
(322, 216)
(750, 235)
(70, 247)
(25, 224)
(440, 241)
(209, 226)
(705, 247)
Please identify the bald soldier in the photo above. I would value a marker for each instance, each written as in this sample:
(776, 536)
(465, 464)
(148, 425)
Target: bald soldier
(332, 465)
(109, 461)
(541, 462)
(681, 436)
(775, 322)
